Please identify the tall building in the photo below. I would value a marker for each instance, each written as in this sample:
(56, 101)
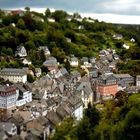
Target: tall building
(13, 75)
(7, 96)
(107, 86)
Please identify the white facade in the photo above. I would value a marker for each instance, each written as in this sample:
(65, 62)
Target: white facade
(13, 75)
(27, 97)
(7, 102)
(138, 81)
(74, 63)
(26, 62)
(21, 51)
(15, 78)
(78, 113)
(7, 96)
(87, 99)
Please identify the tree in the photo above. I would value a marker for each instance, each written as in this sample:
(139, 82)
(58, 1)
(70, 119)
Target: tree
(67, 65)
(21, 24)
(30, 78)
(64, 131)
(47, 12)
(29, 45)
(59, 15)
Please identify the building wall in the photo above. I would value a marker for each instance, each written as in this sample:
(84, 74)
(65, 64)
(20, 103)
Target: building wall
(7, 101)
(78, 113)
(15, 79)
(138, 81)
(108, 90)
(74, 63)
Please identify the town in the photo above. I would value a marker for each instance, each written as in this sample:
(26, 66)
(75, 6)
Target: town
(59, 94)
(33, 102)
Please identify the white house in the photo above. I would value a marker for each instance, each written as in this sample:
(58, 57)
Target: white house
(23, 96)
(85, 92)
(13, 75)
(45, 49)
(38, 72)
(7, 96)
(126, 46)
(74, 61)
(132, 40)
(51, 19)
(138, 81)
(75, 104)
(21, 51)
(26, 61)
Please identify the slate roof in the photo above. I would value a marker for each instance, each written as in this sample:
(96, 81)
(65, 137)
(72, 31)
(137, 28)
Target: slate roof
(53, 118)
(6, 126)
(12, 72)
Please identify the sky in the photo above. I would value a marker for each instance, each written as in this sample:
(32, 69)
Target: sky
(116, 11)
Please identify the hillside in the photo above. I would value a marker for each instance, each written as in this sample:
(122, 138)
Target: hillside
(64, 35)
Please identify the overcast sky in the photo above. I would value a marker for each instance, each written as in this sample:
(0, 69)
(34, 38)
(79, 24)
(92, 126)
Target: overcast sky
(99, 7)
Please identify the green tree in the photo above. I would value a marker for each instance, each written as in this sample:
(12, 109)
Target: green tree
(67, 65)
(59, 15)
(29, 45)
(30, 78)
(47, 12)
(21, 24)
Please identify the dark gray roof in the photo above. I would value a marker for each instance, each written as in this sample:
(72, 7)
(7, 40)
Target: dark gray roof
(12, 71)
(122, 75)
(53, 118)
(62, 112)
(6, 126)
(74, 59)
(5, 88)
(50, 61)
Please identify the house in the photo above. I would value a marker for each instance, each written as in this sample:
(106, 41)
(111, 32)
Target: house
(13, 75)
(81, 27)
(76, 106)
(8, 96)
(50, 62)
(132, 89)
(132, 40)
(116, 57)
(74, 61)
(54, 118)
(92, 60)
(85, 92)
(75, 75)
(7, 130)
(138, 80)
(118, 36)
(61, 72)
(39, 125)
(23, 96)
(26, 61)
(68, 39)
(102, 53)
(93, 72)
(19, 12)
(126, 46)
(51, 19)
(124, 80)
(45, 49)
(38, 72)
(85, 61)
(17, 119)
(107, 86)
(21, 51)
